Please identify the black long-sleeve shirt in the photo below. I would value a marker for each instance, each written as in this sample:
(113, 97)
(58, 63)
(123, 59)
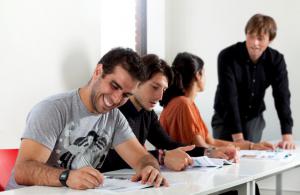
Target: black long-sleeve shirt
(145, 125)
(242, 85)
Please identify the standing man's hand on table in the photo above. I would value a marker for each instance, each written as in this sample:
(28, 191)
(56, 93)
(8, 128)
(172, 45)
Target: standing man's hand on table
(287, 142)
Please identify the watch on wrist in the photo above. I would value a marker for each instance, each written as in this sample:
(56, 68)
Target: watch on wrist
(63, 177)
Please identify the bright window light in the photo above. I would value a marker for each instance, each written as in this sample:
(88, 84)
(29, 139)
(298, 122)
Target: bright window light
(118, 27)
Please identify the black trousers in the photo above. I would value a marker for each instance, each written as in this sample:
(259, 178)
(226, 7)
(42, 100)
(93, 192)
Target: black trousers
(252, 129)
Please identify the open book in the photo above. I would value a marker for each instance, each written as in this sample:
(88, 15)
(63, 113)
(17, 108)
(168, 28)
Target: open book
(204, 161)
(266, 155)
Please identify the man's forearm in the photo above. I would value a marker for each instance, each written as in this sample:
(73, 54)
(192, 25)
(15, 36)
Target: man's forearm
(154, 153)
(148, 160)
(36, 173)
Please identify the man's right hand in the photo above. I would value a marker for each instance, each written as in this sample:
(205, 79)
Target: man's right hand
(177, 159)
(85, 178)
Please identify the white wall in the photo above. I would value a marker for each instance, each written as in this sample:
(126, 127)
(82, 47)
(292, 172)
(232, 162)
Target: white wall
(156, 27)
(46, 47)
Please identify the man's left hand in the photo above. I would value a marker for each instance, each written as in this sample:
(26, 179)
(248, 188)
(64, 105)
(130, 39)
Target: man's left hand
(150, 175)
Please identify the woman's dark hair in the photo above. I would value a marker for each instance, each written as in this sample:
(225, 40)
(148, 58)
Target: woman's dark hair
(185, 66)
(152, 65)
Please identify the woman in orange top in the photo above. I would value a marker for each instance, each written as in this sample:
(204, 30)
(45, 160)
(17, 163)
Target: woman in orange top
(181, 117)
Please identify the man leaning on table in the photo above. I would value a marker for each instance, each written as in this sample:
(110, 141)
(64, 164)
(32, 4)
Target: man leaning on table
(245, 71)
(67, 136)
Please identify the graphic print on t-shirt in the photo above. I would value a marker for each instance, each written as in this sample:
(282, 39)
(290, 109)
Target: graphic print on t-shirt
(84, 151)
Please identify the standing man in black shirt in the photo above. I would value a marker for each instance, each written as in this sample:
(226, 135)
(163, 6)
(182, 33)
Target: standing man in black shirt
(144, 122)
(245, 71)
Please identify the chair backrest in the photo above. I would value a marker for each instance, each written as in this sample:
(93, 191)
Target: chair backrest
(7, 162)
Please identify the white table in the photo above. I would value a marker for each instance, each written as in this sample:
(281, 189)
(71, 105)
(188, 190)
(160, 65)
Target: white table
(240, 176)
(254, 169)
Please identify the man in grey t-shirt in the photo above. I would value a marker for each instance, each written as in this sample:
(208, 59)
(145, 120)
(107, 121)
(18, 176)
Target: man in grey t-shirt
(67, 136)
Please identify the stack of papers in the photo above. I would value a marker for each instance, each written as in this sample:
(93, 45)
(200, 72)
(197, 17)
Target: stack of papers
(204, 161)
(266, 155)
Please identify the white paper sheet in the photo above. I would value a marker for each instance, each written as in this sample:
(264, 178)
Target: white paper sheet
(266, 155)
(120, 184)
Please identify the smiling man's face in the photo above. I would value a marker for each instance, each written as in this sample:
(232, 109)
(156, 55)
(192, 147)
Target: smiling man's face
(111, 90)
(256, 45)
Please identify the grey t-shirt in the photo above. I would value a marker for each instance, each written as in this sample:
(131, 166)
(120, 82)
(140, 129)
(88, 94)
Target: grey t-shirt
(76, 137)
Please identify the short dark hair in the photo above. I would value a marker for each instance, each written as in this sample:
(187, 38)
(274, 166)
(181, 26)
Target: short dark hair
(125, 57)
(262, 24)
(185, 67)
(152, 65)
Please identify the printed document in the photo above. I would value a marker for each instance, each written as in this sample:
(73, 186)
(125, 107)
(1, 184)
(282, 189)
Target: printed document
(266, 155)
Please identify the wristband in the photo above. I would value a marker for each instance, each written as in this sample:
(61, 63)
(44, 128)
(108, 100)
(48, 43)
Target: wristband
(161, 156)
